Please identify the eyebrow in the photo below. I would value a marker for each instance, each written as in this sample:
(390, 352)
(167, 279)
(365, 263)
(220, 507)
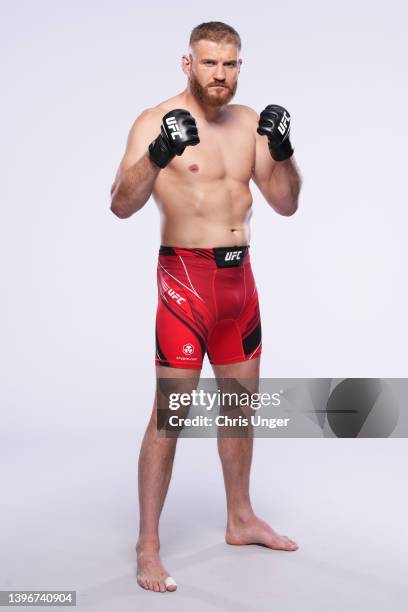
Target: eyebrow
(210, 59)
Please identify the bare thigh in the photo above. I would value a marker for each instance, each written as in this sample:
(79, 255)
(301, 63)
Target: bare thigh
(240, 378)
(242, 371)
(170, 381)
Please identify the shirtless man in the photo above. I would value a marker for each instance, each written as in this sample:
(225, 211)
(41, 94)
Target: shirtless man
(196, 153)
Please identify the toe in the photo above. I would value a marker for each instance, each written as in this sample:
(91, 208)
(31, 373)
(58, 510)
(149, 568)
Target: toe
(287, 538)
(170, 584)
(141, 582)
(286, 543)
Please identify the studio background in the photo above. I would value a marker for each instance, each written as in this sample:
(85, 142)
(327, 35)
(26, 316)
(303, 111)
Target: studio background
(79, 299)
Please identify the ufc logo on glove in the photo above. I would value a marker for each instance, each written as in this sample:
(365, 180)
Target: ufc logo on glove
(173, 125)
(284, 123)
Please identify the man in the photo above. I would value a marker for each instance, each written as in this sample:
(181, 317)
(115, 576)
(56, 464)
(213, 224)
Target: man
(196, 154)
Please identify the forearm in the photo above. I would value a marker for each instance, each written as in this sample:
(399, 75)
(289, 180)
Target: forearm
(134, 187)
(284, 187)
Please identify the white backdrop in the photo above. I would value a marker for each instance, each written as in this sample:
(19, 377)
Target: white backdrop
(79, 286)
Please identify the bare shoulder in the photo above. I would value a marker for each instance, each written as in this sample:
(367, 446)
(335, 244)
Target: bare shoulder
(154, 115)
(144, 129)
(167, 105)
(148, 117)
(147, 123)
(244, 113)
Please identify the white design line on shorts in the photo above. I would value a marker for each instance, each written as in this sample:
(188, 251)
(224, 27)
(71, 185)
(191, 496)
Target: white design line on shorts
(253, 353)
(179, 281)
(185, 268)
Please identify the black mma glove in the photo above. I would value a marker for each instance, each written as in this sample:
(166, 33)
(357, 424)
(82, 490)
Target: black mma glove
(178, 131)
(274, 122)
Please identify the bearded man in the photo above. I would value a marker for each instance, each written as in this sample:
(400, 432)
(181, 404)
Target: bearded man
(196, 154)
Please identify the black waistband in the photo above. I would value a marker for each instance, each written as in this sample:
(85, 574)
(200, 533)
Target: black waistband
(224, 257)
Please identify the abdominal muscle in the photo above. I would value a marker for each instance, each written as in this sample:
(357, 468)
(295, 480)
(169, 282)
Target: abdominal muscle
(211, 214)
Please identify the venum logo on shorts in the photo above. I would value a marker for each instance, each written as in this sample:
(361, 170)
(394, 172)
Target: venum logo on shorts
(284, 124)
(175, 296)
(174, 127)
(188, 349)
(231, 255)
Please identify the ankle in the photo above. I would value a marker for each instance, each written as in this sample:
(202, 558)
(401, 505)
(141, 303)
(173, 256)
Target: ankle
(148, 544)
(241, 516)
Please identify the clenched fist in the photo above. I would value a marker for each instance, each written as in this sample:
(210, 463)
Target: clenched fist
(178, 130)
(274, 122)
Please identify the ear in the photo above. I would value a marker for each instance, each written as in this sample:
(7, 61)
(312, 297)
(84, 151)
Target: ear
(239, 64)
(186, 64)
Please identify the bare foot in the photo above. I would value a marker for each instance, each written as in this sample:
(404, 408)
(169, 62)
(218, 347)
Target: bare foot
(151, 575)
(253, 530)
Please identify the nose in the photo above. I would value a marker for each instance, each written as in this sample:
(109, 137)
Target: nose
(219, 74)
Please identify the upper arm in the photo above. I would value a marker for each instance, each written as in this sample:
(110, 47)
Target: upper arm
(145, 129)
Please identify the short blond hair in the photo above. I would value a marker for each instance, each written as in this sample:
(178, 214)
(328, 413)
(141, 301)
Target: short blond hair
(215, 31)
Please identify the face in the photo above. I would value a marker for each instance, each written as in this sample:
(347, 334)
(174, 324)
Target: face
(212, 69)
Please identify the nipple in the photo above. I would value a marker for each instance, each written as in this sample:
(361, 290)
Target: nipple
(193, 168)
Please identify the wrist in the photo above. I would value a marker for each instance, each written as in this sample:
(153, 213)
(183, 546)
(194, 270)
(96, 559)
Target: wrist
(282, 152)
(159, 152)
(151, 163)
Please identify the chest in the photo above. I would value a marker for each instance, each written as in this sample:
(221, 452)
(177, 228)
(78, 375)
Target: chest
(223, 152)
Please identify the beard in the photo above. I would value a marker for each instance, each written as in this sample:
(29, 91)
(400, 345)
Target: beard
(209, 95)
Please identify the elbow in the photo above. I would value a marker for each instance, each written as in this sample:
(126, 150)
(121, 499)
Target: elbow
(285, 208)
(125, 208)
(289, 211)
(117, 204)
(118, 210)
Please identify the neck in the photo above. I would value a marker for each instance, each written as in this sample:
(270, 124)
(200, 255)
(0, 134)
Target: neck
(199, 109)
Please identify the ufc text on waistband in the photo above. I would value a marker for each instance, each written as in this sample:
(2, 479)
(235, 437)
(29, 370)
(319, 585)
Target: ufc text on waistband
(229, 257)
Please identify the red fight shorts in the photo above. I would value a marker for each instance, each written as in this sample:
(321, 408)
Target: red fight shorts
(207, 303)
